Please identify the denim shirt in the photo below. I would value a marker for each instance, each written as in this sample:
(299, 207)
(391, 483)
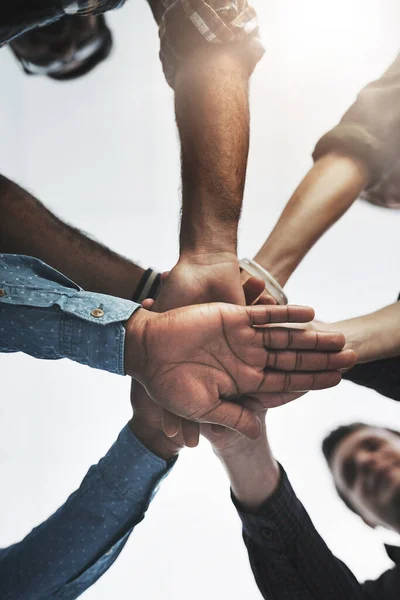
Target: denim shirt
(66, 554)
(46, 315)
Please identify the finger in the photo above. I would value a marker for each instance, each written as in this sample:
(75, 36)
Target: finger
(191, 433)
(171, 423)
(275, 381)
(164, 276)
(252, 288)
(265, 298)
(310, 361)
(235, 417)
(260, 402)
(148, 303)
(263, 315)
(280, 338)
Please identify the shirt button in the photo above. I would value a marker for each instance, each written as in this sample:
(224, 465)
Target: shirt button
(2, 293)
(97, 312)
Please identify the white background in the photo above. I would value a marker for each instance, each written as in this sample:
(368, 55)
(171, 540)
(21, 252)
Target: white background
(102, 153)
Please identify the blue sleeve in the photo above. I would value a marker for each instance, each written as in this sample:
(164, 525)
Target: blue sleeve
(46, 315)
(66, 554)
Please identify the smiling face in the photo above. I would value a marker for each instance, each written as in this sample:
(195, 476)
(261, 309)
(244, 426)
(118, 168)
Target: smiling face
(366, 470)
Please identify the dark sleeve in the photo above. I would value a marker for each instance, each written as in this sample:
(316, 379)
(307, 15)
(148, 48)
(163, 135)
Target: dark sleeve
(20, 16)
(383, 376)
(290, 560)
(387, 587)
(370, 129)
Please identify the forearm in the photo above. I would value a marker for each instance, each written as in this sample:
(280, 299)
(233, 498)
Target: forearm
(27, 227)
(253, 472)
(324, 195)
(212, 114)
(374, 336)
(68, 552)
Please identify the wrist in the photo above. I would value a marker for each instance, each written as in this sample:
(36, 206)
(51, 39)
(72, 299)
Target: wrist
(202, 256)
(280, 267)
(364, 336)
(136, 328)
(254, 475)
(211, 240)
(153, 439)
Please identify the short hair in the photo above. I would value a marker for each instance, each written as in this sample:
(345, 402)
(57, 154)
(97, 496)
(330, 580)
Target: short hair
(336, 437)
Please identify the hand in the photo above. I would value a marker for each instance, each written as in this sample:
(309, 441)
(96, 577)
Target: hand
(202, 278)
(146, 424)
(193, 360)
(319, 326)
(197, 279)
(255, 290)
(171, 423)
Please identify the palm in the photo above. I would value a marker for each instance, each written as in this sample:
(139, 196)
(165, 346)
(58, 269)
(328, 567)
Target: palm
(193, 374)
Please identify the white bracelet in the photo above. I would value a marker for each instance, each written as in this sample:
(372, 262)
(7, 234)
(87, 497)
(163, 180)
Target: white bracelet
(271, 284)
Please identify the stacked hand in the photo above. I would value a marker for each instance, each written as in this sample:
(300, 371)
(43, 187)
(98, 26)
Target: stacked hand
(209, 363)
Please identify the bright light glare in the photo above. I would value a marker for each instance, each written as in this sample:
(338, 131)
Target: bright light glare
(323, 25)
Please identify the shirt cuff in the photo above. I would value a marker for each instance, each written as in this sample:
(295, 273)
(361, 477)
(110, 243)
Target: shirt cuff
(278, 520)
(134, 471)
(48, 316)
(186, 26)
(358, 142)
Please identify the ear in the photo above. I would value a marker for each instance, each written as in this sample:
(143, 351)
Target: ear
(370, 523)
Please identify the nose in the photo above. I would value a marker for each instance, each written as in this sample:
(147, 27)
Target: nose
(366, 460)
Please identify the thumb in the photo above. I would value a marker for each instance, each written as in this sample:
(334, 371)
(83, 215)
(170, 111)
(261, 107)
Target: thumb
(252, 288)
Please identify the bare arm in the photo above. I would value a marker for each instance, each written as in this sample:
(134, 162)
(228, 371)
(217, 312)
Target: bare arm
(212, 114)
(27, 227)
(355, 155)
(374, 336)
(253, 472)
(209, 49)
(324, 195)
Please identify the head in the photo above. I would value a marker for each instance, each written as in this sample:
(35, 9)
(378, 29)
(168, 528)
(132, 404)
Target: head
(365, 464)
(66, 49)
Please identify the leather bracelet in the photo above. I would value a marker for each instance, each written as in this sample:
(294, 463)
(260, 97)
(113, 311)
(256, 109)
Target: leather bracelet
(271, 284)
(148, 286)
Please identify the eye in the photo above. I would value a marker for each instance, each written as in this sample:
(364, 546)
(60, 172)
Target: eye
(370, 444)
(349, 472)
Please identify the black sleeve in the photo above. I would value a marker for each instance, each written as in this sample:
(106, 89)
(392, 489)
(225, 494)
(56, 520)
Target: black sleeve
(290, 560)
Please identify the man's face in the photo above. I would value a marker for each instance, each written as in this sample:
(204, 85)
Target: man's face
(366, 471)
(62, 47)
